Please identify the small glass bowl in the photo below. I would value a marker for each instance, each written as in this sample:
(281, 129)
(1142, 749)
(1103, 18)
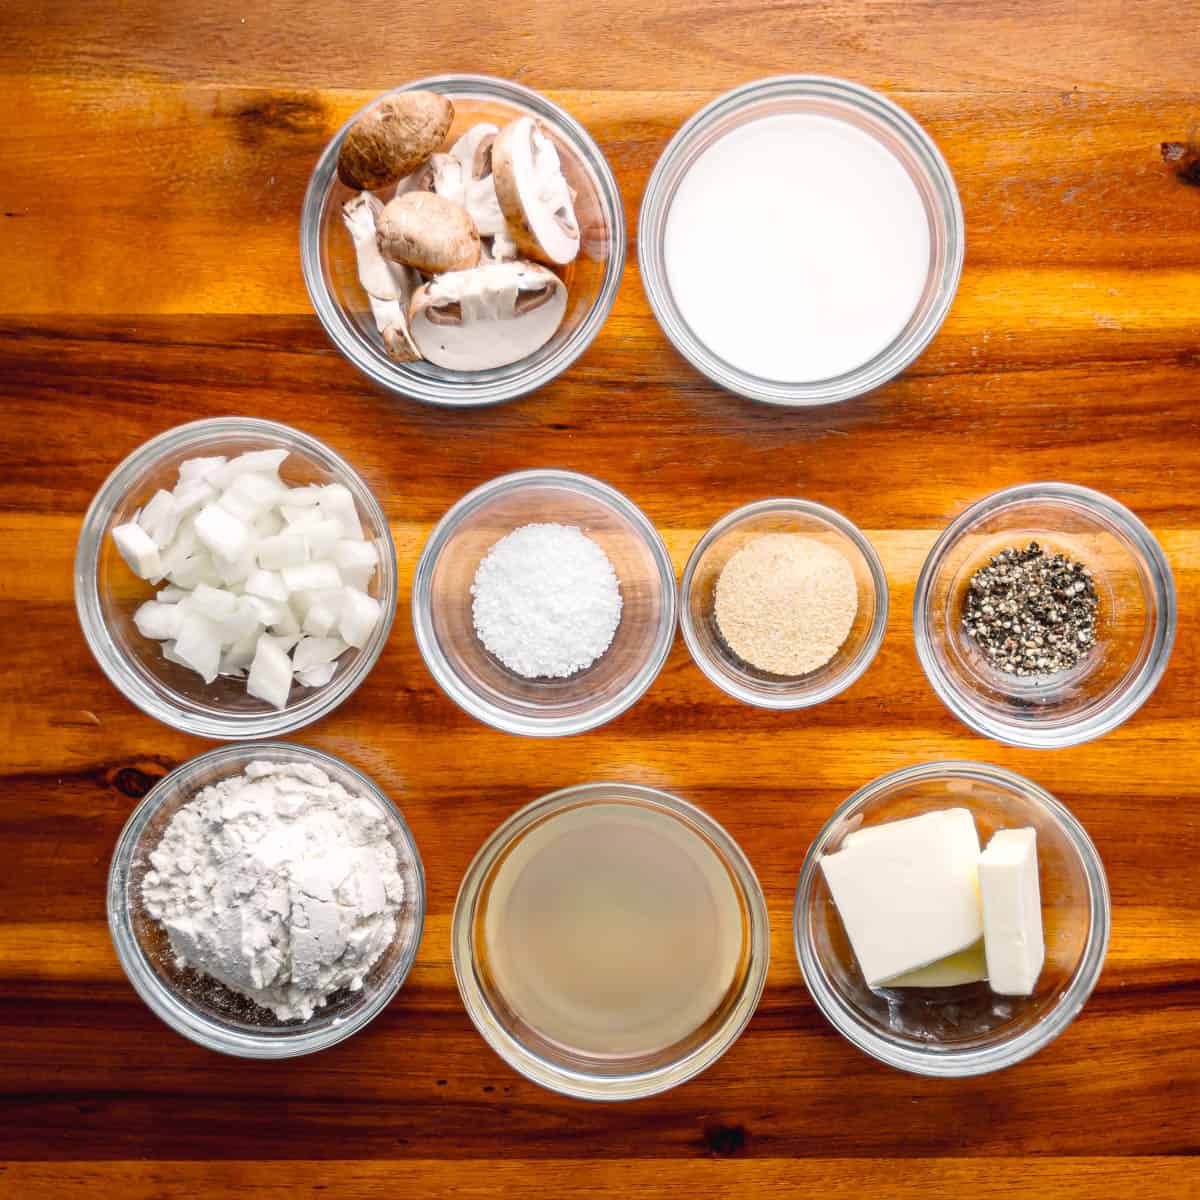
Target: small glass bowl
(107, 593)
(474, 678)
(587, 1075)
(697, 595)
(331, 273)
(969, 1031)
(898, 133)
(1135, 629)
(198, 1006)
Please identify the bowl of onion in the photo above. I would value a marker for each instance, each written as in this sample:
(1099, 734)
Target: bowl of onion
(235, 578)
(462, 240)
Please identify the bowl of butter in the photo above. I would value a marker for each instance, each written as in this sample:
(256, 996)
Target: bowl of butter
(951, 918)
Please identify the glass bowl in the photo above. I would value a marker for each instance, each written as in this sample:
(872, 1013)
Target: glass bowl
(107, 593)
(1135, 626)
(203, 1009)
(972, 1031)
(697, 591)
(877, 116)
(331, 275)
(589, 1072)
(476, 680)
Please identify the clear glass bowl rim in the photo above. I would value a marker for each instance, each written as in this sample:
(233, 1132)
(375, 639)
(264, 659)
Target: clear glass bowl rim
(950, 1064)
(652, 228)
(1030, 736)
(431, 390)
(579, 1084)
(161, 1001)
(87, 598)
(422, 605)
(854, 670)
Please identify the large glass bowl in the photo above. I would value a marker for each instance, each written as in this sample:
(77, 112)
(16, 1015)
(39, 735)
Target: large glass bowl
(107, 593)
(331, 275)
(877, 116)
(592, 1074)
(966, 1030)
(1136, 618)
(199, 1007)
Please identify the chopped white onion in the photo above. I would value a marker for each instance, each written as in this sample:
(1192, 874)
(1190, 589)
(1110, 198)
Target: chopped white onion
(265, 580)
(270, 677)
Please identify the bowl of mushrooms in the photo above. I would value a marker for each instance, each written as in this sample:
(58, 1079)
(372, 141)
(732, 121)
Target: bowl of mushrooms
(462, 240)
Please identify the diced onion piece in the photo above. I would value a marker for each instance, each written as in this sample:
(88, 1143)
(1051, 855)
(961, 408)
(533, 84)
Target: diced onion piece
(347, 553)
(317, 677)
(360, 615)
(336, 501)
(158, 621)
(285, 641)
(160, 518)
(241, 654)
(253, 462)
(171, 595)
(200, 468)
(193, 495)
(313, 651)
(267, 612)
(322, 537)
(287, 625)
(269, 524)
(214, 603)
(245, 621)
(137, 548)
(310, 576)
(234, 571)
(302, 497)
(283, 550)
(249, 496)
(199, 646)
(221, 532)
(270, 677)
(268, 584)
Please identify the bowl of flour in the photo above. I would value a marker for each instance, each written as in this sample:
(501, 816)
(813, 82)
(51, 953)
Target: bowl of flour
(266, 901)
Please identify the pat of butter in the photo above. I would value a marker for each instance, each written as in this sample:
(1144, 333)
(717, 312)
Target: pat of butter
(967, 966)
(907, 891)
(1012, 912)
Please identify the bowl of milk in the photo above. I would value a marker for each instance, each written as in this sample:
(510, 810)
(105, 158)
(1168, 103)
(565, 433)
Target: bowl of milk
(801, 240)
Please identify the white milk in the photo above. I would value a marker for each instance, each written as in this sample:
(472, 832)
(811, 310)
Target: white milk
(797, 247)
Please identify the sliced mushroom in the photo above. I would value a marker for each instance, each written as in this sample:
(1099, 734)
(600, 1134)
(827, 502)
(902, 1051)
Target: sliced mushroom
(474, 151)
(393, 138)
(389, 286)
(428, 232)
(490, 316)
(445, 175)
(533, 193)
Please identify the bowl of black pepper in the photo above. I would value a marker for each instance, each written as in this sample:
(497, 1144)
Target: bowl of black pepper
(1045, 615)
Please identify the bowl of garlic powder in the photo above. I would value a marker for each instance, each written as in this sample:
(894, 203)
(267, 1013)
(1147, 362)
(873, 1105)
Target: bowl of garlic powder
(783, 603)
(266, 901)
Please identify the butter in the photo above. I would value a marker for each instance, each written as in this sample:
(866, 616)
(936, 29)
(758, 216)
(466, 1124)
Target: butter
(1012, 912)
(967, 966)
(907, 891)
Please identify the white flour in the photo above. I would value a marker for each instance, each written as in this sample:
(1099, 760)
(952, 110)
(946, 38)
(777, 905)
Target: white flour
(279, 883)
(546, 601)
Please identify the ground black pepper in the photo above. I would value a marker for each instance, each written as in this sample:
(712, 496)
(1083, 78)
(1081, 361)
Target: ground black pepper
(1032, 613)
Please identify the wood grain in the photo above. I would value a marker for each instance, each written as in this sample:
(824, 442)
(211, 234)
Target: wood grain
(152, 164)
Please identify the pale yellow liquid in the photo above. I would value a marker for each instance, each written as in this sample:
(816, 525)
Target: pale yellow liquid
(613, 930)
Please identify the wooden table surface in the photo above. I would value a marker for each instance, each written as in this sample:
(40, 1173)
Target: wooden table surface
(152, 162)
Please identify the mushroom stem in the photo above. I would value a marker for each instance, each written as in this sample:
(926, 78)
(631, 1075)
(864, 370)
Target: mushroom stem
(388, 287)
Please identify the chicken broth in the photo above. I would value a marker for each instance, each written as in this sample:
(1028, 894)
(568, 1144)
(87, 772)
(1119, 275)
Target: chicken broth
(612, 930)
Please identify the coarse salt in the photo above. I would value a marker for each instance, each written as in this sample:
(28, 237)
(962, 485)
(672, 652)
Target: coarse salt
(546, 601)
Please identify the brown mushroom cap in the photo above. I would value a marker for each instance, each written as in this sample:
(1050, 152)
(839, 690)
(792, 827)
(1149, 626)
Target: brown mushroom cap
(393, 138)
(428, 232)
